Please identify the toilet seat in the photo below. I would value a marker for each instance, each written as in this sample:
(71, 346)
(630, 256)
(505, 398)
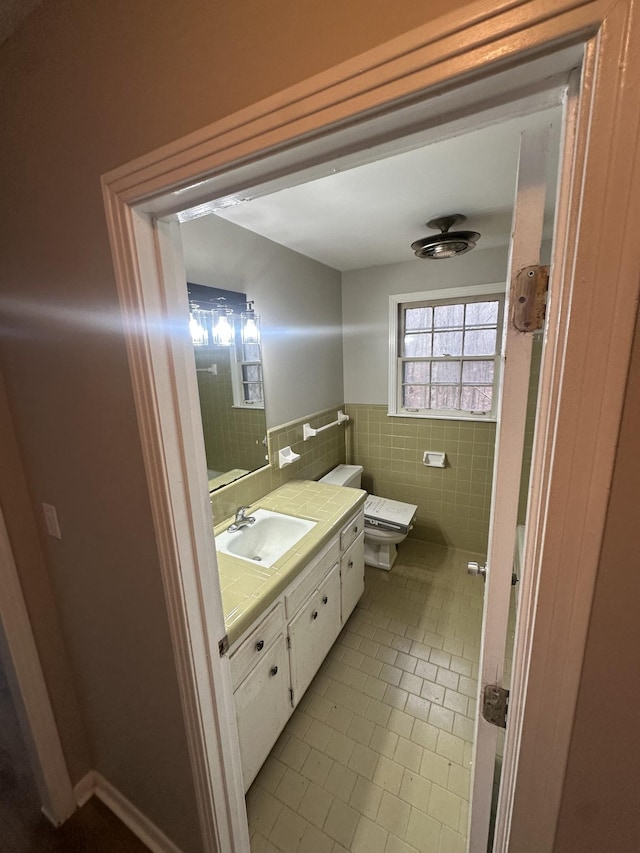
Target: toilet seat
(386, 514)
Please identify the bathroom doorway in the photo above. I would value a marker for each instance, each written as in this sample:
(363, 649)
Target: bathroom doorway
(164, 431)
(231, 245)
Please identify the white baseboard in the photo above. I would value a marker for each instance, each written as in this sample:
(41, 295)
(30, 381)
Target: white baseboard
(85, 788)
(95, 784)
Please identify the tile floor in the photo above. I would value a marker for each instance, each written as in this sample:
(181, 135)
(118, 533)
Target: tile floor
(377, 755)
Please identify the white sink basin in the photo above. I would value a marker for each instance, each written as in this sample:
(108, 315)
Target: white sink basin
(266, 540)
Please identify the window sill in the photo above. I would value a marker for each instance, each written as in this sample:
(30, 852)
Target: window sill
(448, 417)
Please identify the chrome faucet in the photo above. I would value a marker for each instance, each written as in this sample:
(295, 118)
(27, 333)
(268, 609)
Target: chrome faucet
(241, 519)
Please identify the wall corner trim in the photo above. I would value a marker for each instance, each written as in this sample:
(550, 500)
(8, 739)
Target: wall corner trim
(85, 788)
(93, 784)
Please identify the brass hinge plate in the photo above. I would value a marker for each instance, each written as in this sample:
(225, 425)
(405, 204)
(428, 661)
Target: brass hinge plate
(529, 298)
(495, 704)
(223, 645)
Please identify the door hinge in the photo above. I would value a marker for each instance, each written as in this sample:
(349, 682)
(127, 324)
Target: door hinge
(291, 694)
(529, 298)
(288, 641)
(495, 704)
(223, 645)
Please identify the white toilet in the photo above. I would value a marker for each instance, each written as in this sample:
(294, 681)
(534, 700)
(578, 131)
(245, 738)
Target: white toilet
(386, 522)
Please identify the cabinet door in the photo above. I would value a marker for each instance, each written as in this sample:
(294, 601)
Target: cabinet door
(312, 632)
(262, 708)
(352, 576)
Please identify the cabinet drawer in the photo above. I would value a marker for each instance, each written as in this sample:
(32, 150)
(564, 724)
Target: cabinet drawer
(262, 708)
(311, 577)
(253, 648)
(352, 529)
(352, 576)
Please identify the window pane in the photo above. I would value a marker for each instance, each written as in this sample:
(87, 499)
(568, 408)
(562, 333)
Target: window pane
(251, 352)
(446, 371)
(480, 342)
(415, 396)
(253, 392)
(416, 371)
(417, 344)
(418, 318)
(478, 372)
(251, 372)
(448, 316)
(476, 398)
(447, 343)
(445, 397)
(482, 314)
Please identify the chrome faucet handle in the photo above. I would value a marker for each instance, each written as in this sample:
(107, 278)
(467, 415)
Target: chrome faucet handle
(240, 512)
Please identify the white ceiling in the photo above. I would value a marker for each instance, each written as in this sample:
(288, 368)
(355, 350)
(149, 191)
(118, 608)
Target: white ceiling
(369, 215)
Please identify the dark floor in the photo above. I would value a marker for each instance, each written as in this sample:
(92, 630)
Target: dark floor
(23, 827)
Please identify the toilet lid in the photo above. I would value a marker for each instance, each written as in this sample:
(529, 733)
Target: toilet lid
(384, 511)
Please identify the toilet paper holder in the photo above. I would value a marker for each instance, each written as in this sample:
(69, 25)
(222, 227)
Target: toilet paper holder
(434, 458)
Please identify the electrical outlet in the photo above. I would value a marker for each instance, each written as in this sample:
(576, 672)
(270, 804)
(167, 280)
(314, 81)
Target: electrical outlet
(51, 521)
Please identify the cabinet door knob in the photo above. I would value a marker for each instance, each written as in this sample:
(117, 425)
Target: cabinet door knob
(324, 599)
(260, 645)
(274, 670)
(350, 564)
(314, 615)
(355, 529)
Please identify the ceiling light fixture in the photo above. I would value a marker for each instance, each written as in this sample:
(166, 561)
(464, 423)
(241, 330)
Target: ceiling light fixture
(447, 244)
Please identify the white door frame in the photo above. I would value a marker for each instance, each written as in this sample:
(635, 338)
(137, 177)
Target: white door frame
(524, 251)
(33, 705)
(576, 441)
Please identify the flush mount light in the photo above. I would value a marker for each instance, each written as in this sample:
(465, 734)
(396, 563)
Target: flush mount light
(447, 244)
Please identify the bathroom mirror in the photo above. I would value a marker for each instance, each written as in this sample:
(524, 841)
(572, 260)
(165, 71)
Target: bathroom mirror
(228, 356)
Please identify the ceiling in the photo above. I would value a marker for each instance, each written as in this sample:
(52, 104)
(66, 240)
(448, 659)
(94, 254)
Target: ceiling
(369, 215)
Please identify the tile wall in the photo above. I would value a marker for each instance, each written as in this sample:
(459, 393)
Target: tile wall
(317, 456)
(233, 437)
(453, 502)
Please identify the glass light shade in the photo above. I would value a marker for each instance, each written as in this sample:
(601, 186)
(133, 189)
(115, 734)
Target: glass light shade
(249, 328)
(223, 331)
(197, 328)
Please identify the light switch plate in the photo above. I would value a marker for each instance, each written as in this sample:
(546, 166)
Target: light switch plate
(51, 520)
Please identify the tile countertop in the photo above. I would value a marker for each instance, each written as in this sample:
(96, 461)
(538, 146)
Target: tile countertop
(248, 589)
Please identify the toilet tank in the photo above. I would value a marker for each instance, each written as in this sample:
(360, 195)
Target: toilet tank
(344, 475)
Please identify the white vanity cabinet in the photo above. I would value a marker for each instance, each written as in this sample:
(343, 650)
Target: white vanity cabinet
(352, 576)
(313, 631)
(276, 659)
(262, 707)
(260, 675)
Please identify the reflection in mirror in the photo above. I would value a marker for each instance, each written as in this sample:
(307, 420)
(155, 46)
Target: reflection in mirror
(225, 333)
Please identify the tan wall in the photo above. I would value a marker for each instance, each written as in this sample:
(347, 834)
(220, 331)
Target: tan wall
(38, 595)
(92, 85)
(600, 804)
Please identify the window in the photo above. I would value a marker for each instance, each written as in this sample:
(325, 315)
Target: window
(447, 355)
(246, 375)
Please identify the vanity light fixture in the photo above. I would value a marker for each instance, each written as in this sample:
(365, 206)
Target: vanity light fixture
(249, 325)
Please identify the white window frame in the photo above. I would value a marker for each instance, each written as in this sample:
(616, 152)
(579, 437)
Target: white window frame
(445, 294)
(237, 379)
